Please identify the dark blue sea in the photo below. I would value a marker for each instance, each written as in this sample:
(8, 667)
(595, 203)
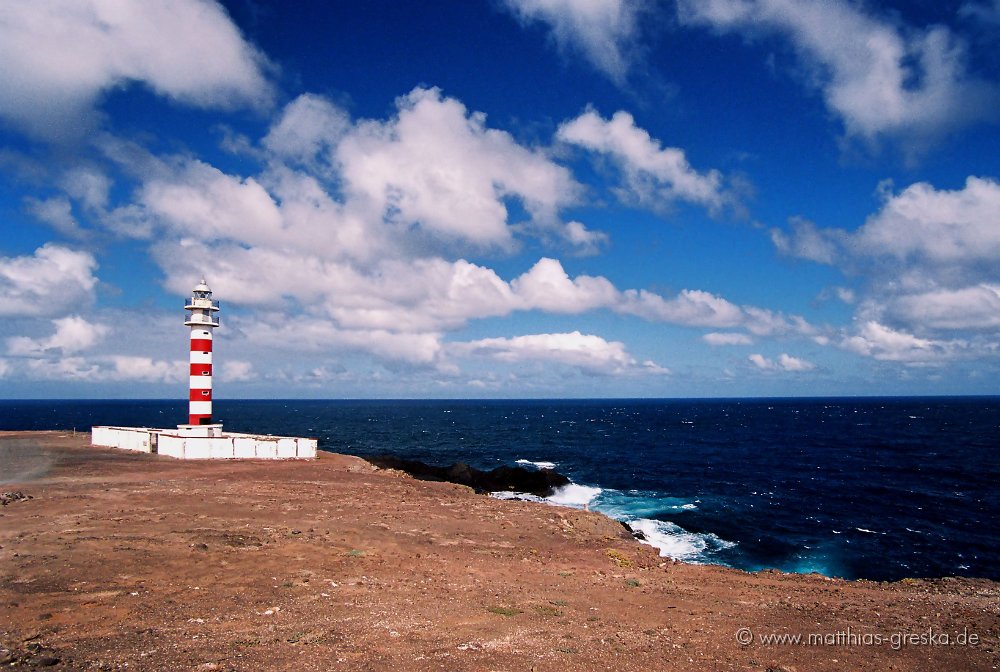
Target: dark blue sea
(858, 488)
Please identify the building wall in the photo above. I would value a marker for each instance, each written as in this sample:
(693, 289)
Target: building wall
(226, 446)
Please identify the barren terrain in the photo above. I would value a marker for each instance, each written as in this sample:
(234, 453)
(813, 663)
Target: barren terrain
(111, 560)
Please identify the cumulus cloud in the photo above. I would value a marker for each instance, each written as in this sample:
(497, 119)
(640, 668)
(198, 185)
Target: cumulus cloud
(51, 281)
(945, 228)
(880, 78)
(57, 57)
(306, 334)
(653, 176)
(547, 286)
(439, 167)
(604, 31)
(72, 334)
(105, 368)
(583, 241)
(974, 308)
(143, 369)
(785, 362)
(351, 246)
(237, 370)
(352, 235)
(63, 368)
(589, 353)
(929, 256)
(308, 131)
(201, 201)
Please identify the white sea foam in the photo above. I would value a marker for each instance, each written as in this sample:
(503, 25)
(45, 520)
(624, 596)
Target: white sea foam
(673, 541)
(538, 465)
(575, 495)
(526, 496)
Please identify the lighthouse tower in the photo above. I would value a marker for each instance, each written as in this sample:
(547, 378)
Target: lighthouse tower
(202, 320)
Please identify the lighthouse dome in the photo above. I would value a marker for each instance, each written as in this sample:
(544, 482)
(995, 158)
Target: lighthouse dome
(202, 287)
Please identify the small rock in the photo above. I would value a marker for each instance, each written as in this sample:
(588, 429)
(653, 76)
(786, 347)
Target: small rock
(43, 661)
(11, 497)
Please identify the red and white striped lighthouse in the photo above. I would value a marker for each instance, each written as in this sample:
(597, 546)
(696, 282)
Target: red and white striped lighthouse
(201, 320)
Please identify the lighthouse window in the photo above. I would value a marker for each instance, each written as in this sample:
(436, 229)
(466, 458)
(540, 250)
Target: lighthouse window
(205, 373)
(204, 393)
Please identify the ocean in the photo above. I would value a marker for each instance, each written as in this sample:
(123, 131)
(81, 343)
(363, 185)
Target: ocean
(879, 489)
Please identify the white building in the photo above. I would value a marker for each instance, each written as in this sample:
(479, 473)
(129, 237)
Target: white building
(201, 438)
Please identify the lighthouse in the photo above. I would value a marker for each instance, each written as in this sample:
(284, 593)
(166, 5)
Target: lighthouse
(201, 438)
(202, 320)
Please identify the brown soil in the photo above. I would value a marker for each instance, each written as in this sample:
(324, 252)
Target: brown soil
(141, 562)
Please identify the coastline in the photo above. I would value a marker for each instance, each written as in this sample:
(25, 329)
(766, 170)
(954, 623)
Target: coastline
(139, 560)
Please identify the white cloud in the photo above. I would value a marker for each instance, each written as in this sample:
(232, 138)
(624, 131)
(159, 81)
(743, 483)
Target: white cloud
(697, 308)
(63, 368)
(308, 131)
(57, 57)
(202, 202)
(5, 368)
(583, 240)
(350, 237)
(789, 363)
(879, 77)
(144, 369)
(57, 212)
(586, 352)
(726, 338)
(976, 308)
(48, 282)
(440, 168)
(105, 369)
(785, 362)
(883, 343)
(808, 241)
(237, 370)
(546, 286)
(943, 227)
(72, 334)
(689, 307)
(603, 30)
(306, 334)
(654, 176)
(89, 186)
(845, 294)
(929, 256)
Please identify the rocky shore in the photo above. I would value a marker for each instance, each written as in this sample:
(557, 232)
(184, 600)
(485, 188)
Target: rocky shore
(113, 561)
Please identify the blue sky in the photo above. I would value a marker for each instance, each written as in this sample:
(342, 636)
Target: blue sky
(506, 198)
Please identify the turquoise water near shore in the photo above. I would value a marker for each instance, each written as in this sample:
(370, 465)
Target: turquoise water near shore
(860, 488)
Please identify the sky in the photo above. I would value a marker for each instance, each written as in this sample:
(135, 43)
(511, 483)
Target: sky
(501, 198)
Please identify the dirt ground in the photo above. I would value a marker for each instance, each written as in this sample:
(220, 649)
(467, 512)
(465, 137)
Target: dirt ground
(112, 560)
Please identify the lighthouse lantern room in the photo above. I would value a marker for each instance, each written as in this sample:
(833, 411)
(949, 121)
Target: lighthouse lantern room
(202, 320)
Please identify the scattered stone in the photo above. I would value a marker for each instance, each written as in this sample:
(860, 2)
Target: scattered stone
(15, 496)
(542, 482)
(636, 534)
(43, 661)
